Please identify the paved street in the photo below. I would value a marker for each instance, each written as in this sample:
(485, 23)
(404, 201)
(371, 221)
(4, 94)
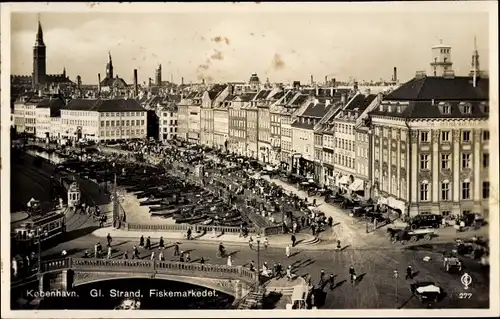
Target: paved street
(376, 289)
(371, 255)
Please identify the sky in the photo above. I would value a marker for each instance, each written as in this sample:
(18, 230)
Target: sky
(221, 46)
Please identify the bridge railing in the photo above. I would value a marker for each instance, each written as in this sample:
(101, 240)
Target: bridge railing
(49, 265)
(184, 228)
(161, 267)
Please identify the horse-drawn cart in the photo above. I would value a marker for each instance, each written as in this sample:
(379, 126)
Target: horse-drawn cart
(404, 235)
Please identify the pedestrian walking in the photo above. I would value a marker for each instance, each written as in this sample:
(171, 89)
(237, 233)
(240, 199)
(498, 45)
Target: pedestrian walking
(176, 249)
(352, 274)
(148, 243)
(294, 227)
(338, 245)
(181, 256)
(331, 281)
(294, 240)
(162, 243)
(202, 260)
(96, 252)
(409, 273)
(109, 239)
(289, 274)
(279, 270)
(321, 277)
(189, 234)
(187, 256)
(330, 221)
(313, 230)
(14, 267)
(152, 255)
(229, 261)
(287, 251)
(252, 266)
(109, 253)
(136, 253)
(160, 256)
(125, 255)
(141, 241)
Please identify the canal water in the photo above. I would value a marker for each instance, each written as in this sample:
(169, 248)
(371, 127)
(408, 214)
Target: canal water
(152, 294)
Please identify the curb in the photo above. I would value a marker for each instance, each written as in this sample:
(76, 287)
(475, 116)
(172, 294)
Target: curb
(307, 244)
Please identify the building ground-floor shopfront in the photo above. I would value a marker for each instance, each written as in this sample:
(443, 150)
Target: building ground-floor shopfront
(264, 152)
(251, 149)
(237, 146)
(193, 137)
(207, 138)
(220, 140)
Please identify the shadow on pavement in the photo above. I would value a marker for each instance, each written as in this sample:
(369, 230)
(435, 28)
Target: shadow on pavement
(271, 300)
(69, 236)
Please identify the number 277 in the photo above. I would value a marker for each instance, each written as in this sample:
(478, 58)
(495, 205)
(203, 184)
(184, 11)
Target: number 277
(465, 295)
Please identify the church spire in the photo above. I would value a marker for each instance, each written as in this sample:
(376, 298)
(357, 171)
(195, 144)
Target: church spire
(39, 34)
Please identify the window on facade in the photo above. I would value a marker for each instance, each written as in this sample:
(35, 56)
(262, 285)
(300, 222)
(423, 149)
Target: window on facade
(466, 160)
(466, 190)
(466, 136)
(486, 135)
(424, 191)
(486, 160)
(424, 161)
(446, 213)
(446, 109)
(403, 160)
(424, 137)
(445, 161)
(445, 190)
(102, 123)
(486, 190)
(445, 136)
(467, 109)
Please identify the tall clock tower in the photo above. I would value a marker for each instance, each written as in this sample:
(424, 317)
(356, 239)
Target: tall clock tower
(39, 57)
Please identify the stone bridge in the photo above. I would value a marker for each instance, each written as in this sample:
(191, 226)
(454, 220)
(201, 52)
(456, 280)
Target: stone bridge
(66, 274)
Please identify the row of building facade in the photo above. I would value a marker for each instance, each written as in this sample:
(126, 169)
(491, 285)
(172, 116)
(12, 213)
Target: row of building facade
(421, 147)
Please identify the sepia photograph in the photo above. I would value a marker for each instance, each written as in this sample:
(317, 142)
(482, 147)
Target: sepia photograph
(249, 156)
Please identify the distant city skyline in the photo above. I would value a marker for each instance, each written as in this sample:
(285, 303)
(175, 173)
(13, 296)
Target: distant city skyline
(221, 47)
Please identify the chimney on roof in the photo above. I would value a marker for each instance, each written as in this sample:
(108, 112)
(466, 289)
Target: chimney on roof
(343, 98)
(420, 74)
(355, 87)
(312, 80)
(395, 74)
(326, 79)
(150, 82)
(182, 80)
(98, 82)
(380, 97)
(136, 88)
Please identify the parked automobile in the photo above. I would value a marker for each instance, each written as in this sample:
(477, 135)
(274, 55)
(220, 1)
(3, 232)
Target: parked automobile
(425, 221)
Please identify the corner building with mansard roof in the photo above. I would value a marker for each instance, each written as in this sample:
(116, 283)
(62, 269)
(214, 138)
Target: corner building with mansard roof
(430, 142)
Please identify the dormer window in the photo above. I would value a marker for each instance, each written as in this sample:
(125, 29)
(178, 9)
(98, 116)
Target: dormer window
(381, 108)
(485, 107)
(398, 108)
(446, 109)
(466, 108)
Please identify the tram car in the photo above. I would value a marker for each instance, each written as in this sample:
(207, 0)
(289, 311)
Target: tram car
(41, 228)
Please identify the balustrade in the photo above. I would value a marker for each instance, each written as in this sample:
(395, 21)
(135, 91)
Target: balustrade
(166, 267)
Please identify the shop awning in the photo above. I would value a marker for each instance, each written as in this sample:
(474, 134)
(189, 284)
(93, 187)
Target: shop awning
(396, 203)
(357, 185)
(344, 180)
(382, 201)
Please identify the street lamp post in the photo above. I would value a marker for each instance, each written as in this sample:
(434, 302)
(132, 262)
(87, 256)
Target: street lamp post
(396, 277)
(37, 234)
(257, 246)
